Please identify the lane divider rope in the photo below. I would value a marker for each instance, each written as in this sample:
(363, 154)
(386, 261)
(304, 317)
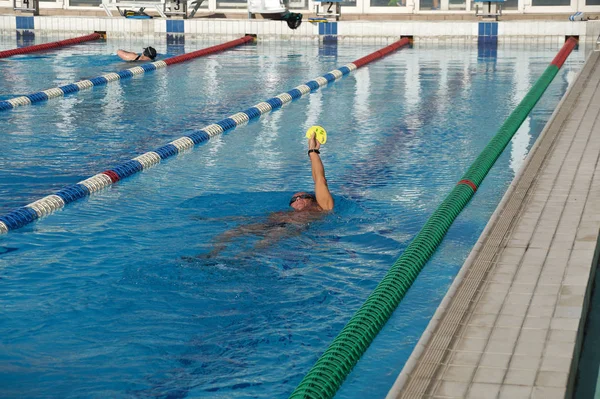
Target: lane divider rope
(47, 205)
(49, 46)
(331, 369)
(115, 76)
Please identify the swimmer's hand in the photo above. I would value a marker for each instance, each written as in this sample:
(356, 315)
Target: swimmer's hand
(318, 134)
(313, 144)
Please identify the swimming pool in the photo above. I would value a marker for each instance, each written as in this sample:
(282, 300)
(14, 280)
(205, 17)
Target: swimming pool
(108, 297)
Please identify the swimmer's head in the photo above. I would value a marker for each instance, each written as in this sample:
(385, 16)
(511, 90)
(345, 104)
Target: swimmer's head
(150, 52)
(302, 201)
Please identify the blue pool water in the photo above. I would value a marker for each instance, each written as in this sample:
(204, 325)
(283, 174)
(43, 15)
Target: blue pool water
(112, 296)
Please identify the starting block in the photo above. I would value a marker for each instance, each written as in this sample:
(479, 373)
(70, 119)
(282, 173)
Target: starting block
(329, 10)
(32, 6)
(489, 8)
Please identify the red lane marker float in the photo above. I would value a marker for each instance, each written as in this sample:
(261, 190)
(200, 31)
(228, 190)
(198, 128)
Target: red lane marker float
(380, 53)
(48, 46)
(468, 183)
(564, 52)
(208, 50)
(113, 176)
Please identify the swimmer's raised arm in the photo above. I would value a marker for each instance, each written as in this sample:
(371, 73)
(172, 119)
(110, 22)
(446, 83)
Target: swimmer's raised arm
(324, 198)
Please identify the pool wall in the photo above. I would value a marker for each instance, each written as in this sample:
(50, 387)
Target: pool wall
(522, 30)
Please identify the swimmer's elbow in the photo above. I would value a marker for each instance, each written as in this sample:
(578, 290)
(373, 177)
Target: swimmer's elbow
(327, 206)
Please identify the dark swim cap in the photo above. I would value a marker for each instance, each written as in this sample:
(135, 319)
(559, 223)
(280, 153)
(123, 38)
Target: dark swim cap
(293, 20)
(150, 52)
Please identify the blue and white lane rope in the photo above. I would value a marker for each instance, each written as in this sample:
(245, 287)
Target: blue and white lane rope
(114, 76)
(77, 86)
(47, 205)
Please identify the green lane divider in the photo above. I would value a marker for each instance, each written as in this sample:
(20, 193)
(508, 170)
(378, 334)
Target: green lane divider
(326, 376)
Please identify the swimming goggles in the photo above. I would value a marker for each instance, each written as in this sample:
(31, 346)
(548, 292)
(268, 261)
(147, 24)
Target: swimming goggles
(303, 196)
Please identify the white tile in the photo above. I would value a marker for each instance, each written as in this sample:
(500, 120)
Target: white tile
(501, 28)
(520, 377)
(548, 393)
(102, 25)
(571, 312)
(41, 22)
(160, 26)
(509, 28)
(219, 27)
(465, 358)
(459, 373)
(483, 391)
(529, 348)
(515, 392)
(260, 28)
(452, 389)
(357, 29)
(471, 344)
(497, 360)
(556, 363)
(199, 27)
(524, 362)
(560, 349)
(251, 27)
(64, 24)
(561, 336)
(489, 375)
(500, 347)
(524, 29)
(110, 24)
(537, 322)
(552, 379)
(188, 26)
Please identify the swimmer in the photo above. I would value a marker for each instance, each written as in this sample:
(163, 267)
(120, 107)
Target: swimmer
(148, 54)
(306, 207)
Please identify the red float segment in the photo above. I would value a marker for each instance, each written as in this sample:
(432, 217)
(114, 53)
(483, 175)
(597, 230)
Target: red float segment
(564, 52)
(381, 53)
(113, 176)
(46, 46)
(208, 50)
(468, 183)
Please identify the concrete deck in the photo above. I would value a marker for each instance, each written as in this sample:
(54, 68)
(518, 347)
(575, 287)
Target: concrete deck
(511, 325)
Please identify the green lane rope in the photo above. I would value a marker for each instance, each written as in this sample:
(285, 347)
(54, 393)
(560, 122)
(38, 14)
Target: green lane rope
(331, 369)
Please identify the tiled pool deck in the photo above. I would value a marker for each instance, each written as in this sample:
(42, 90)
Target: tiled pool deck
(512, 323)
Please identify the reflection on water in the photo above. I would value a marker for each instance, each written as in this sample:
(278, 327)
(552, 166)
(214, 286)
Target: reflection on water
(521, 141)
